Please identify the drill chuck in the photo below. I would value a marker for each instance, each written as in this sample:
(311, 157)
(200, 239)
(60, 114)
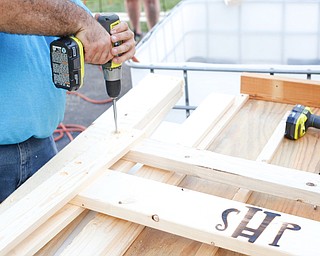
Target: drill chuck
(314, 121)
(113, 88)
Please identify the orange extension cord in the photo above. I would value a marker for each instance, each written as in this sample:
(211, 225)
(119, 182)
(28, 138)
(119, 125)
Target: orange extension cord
(67, 129)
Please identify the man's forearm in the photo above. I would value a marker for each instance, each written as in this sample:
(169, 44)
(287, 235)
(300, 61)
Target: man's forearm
(63, 17)
(43, 17)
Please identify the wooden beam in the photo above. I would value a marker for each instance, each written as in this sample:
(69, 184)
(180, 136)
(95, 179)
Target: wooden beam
(213, 220)
(281, 89)
(204, 118)
(296, 185)
(158, 93)
(238, 103)
(48, 230)
(271, 147)
(55, 243)
(101, 236)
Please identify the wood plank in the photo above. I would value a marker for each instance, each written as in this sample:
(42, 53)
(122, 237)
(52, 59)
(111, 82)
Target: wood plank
(281, 89)
(198, 125)
(180, 211)
(230, 170)
(274, 142)
(223, 122)
(53, 245)
(17, 222)
(250, 129)
(49, 230)
(104, 230)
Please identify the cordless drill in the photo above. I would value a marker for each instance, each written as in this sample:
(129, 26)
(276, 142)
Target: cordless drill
(67, 64)
(111, 70)
(298, 122)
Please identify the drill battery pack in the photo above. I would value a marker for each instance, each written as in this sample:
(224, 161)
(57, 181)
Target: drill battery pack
(67, 63)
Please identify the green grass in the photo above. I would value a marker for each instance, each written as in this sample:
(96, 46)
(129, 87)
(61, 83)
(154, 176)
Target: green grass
(118, 5)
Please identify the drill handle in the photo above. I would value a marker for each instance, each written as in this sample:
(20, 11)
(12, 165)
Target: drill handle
(315, 121)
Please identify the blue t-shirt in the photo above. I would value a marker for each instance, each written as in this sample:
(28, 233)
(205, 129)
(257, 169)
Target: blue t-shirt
(30, 104)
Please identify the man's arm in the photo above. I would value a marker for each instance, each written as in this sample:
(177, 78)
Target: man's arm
(42, 17)
(58, 18)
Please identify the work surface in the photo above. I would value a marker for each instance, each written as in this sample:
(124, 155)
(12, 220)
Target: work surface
(258, 196)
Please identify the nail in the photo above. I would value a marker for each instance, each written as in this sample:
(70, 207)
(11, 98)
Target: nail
(114, 39)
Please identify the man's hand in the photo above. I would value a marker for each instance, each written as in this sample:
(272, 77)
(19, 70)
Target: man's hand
(96, 42)
(126, 50)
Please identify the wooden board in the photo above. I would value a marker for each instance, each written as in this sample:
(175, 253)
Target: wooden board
(281, 89)
(225, 223)
(211, 166)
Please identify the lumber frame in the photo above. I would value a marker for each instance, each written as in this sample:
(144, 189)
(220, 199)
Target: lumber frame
(136, 120)
(127, 232)
(281, 89)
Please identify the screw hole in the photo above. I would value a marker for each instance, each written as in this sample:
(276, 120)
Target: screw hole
(311, 184)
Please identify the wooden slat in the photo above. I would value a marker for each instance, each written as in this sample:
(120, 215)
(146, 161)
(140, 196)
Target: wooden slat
(100, 236)
(17, 222)
(271, 147)
(281, 89)
(53, 246)
(230, 170)
(179, 211)
(48, 230)
(204, 118)
(250, 129)
(239, 101)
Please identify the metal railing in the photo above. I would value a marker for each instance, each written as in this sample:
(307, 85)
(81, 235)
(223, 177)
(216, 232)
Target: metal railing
(308, 71)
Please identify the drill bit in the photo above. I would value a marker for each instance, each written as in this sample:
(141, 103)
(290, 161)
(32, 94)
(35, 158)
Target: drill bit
(114, 102)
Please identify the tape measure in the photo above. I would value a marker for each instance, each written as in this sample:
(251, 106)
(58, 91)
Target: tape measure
(67, 63)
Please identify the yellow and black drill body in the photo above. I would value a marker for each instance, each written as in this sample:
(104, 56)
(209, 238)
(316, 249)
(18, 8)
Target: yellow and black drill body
(111, 70)
(67, 63)
(299, 120)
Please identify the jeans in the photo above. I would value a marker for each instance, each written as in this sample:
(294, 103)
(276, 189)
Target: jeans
(18, 162)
